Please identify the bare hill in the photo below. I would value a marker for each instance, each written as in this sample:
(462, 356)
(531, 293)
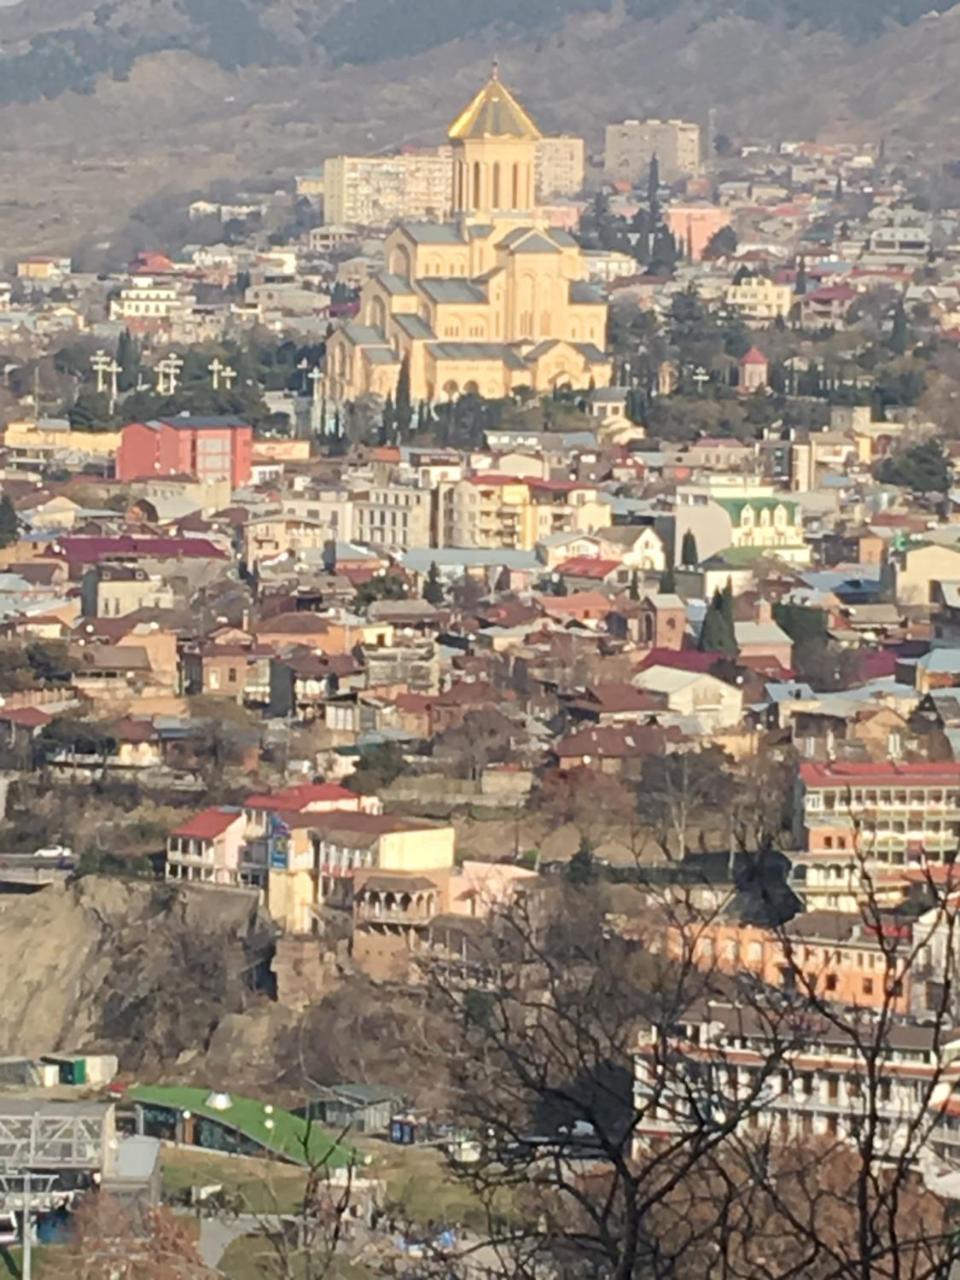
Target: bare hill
(172, 112)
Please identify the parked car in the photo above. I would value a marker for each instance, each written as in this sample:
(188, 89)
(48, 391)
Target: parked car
(55, 853)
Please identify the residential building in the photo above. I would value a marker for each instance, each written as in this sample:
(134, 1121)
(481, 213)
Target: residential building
(375, 191)
(278, 536)
(560, 166)
(877, 819)
(797, 1080)
(216, 448)
(208, 848)
(146, 305)
(514, 513)
(494, 300)
(114, 590)
(832, 955)
(393, 517)
(759, 301)
(632, 144)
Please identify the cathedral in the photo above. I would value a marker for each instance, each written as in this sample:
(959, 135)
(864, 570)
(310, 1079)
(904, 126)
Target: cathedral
(490, 302)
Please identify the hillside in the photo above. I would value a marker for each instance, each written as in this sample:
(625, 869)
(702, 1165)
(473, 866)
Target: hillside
(152, 96)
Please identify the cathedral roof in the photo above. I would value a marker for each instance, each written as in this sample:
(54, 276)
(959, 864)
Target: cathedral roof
(453, 289)
(528, 240)
(494, 113)
(433, 232)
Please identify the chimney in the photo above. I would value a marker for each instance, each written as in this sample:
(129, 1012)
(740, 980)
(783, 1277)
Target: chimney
(764, 612)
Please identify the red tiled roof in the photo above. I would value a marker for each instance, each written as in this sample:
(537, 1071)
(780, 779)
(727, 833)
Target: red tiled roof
(588, 567)
(754, 356)
(296, 798)
(28, 717)
(680, 660)
(88, 549)
(892, 773)
(207, 824)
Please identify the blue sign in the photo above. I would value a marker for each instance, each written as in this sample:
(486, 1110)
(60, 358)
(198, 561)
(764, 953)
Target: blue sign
(278, 844)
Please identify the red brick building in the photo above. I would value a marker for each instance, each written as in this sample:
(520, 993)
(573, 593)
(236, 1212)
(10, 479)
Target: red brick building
(207, 448)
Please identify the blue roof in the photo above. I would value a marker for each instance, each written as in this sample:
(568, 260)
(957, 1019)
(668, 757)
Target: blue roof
(419, 560)
(945, 661)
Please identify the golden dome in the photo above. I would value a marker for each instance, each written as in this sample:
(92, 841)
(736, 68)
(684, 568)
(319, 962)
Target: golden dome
(494, 113)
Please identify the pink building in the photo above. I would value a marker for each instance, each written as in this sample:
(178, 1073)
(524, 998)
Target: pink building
(207, 448)
(694, 225)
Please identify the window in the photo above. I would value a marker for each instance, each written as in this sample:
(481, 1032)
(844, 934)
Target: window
(868, 986)
(831, 982)
(232, 675)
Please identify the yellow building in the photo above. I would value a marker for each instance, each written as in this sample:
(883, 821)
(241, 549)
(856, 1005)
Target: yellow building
(759, 301)
(513, 512)
(492, 301)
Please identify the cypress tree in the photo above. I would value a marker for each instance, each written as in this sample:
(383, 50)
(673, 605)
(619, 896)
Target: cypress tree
(634, 591)
(717, 634)
(899, 335)
(433, 587)
(653, 189)
(689, 555)
(404, 405)
(9, 525)
(582, 869)
(668, 583)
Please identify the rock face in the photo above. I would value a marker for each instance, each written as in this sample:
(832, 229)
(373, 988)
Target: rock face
(146, 971)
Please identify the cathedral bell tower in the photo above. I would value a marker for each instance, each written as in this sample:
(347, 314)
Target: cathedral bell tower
(494, 155)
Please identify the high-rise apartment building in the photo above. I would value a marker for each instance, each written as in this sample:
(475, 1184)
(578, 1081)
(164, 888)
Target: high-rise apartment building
(560, 166)
(631, 145)
(372, 191)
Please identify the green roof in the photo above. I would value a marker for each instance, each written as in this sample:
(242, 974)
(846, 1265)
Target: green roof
(291, 1137)
(735, 506)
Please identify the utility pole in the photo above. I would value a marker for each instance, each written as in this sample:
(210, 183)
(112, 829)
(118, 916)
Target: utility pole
(27, 1270)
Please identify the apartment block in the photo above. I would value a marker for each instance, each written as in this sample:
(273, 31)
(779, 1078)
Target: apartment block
(878, 819)
(373, 191)
(560, 166)
(803, 1080)
(393, 517)
(631, 145)
(506, 511)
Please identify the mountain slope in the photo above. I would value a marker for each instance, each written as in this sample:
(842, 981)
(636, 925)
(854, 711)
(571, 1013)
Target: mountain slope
(75, 165)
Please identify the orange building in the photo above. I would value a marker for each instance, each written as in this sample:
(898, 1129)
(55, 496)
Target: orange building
(694, 225)
(830, 953)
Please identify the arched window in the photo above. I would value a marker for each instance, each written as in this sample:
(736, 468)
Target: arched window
(476, 184)
(496, 185)
(516, 187)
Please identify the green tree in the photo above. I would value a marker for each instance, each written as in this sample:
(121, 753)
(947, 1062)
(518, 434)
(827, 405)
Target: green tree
(721, 244)
(90, 412)
(899, 330)
(9, 525)
(653, 189)
(668, 582)
(634, 589)
(582, 867)
(433, 587)
(128, 358)
(689, 555)
(924, 468)
(717, 634)
(403, 405)
(388, 422)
